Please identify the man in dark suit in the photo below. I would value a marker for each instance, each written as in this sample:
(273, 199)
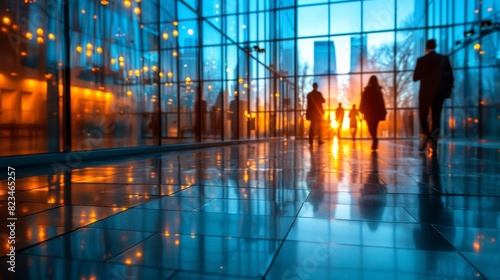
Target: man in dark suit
(314, 113)
(436, 80)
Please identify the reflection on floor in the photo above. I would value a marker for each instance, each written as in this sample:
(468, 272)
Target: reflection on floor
(274, 210)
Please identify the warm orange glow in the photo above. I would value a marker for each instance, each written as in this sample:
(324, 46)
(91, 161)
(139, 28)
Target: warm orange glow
(174, 53)
(477, 246)
(245, 176)
(79, 49)
(477, 46)
(51, 36)
(24, 53)
(176, 23)
(39, 31)
(104, 2)
(145, 69)
(175, 33)
(165, 36)
(170, 74)
(137, 10)
(113, 61)
(137, 73)
(452, 122)
(88, 53)
(41, 233)
(6, 21)
(29, 36)
(128, 261)
(476, 120)
(177, 242)
(166, 233)
(129, 93)
(241, 80)
(127, 3)
(335, 147)
(99, 50)
(138, 254)
(39, 40)
(482, 102)
(154, 68)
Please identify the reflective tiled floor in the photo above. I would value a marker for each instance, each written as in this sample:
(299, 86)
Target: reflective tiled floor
(273, 210)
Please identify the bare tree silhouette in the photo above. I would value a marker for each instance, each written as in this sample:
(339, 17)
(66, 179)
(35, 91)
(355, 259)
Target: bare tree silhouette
(303, 84)
(399, 84)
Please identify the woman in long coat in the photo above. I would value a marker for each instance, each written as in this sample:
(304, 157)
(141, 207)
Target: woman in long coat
(373, 108)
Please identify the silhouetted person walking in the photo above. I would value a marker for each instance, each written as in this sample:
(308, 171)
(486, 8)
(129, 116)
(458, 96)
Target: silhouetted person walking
(314, 113)
(339, 117)
(436, 80)
(373, 107)
(353, 121)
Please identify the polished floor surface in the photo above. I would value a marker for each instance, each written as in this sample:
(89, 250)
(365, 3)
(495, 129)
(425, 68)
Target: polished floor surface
(270, 210)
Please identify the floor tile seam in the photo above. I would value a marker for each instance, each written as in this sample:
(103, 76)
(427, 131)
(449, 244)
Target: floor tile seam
(254, 215)
(282, 242)
(459, 252)
(361, 220)
(248, 199)
(61, 258)
(470, 195)
(129, 247)
(453, 249)
(200, 206)
(177, 270)
(20, 218)
(52, 238)
(178, 234)
(138, 207)
(412, 216)
(456, 208)
(22, 252)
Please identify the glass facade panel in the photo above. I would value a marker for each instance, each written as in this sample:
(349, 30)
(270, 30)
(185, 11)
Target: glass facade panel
(410, 14)
(380, 52)
(149, 72)
(31, 78)
(345, 17)
(378, 15)
(313, 21)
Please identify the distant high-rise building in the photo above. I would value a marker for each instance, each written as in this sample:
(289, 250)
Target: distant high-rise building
(359, 54)
(359, 64)
(324, 58)
(325, 68)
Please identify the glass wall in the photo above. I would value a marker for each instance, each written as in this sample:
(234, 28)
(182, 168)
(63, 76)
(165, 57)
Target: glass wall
(31, 67)
(83, 75)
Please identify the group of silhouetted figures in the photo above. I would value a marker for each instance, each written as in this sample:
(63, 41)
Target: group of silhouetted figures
(434, 72)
